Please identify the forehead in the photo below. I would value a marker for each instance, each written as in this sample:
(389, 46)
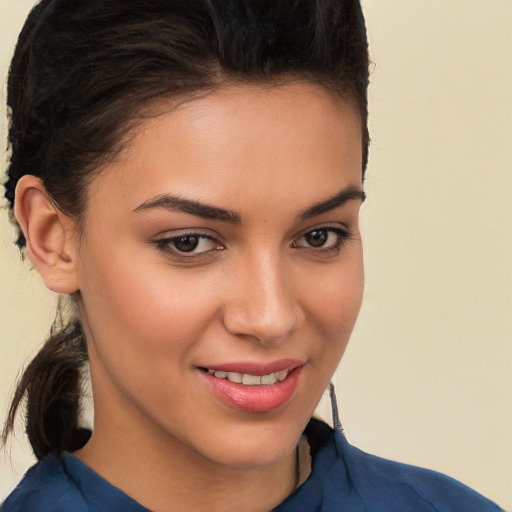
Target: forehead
(240, 141)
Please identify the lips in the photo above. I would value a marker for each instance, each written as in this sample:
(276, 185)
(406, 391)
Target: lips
(253, 387)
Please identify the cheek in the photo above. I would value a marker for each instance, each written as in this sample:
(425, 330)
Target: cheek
(147, 306)
(336, 299)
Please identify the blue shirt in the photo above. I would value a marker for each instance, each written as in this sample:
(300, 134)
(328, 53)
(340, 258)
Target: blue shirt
(343, 479)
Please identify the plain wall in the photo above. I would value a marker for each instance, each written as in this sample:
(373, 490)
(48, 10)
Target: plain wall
(427, 377)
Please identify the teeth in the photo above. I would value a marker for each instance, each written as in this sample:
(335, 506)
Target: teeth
(268, 379)
(234, 377)
(281, 375)
(251, 380)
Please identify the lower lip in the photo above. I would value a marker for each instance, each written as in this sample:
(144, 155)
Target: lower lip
(254, 398)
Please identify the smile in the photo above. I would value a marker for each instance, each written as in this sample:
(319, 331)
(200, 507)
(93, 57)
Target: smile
(251, 380)
(254, 387)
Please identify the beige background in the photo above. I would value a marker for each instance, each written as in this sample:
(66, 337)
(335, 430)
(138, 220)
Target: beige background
(427, 377)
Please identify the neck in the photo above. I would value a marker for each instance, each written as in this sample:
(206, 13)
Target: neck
(178, 478)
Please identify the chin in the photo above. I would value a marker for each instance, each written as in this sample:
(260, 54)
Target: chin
(255, 445)
(254, 455)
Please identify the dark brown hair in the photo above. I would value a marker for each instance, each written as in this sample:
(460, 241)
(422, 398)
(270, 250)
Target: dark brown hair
(81, 76)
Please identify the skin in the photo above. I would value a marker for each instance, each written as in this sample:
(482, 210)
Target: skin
(259, 292)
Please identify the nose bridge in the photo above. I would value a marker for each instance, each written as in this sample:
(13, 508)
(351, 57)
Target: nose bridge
(264, 306)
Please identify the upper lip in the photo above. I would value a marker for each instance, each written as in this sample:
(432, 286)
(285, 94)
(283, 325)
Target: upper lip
(256, 368)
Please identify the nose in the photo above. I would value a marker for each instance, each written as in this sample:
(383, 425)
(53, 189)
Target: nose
(263, 306)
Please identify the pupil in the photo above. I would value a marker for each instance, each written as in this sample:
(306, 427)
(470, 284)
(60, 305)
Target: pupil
(317, 238)
(186, 243)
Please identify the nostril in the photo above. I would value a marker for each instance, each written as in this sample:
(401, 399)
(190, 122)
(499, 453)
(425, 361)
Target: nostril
(260, 330)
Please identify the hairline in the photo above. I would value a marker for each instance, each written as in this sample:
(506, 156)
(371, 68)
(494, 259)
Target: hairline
(170, 101)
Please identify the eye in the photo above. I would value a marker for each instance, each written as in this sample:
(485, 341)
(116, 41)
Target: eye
(323, 238)
(188, 244)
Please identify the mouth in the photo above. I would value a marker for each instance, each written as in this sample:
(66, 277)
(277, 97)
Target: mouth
(254, 388)
(246, 379)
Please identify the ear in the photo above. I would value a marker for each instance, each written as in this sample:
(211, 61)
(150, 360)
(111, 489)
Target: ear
(50, 235)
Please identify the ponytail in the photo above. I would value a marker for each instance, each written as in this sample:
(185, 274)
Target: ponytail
(50, 390)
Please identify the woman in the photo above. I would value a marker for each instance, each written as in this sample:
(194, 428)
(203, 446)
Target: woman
(191, 175)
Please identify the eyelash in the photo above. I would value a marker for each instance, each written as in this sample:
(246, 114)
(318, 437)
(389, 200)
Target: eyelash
(168, 245)
(342, 236)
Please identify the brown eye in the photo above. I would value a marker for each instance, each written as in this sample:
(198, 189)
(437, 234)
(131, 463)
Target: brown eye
(322, 239)
(317, 238)
(186, 243)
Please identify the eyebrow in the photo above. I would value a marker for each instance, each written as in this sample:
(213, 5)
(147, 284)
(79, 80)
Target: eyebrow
(179, 204)
(347, 194)
(206, 211)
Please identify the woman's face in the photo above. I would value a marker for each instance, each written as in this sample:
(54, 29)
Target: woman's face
(223, 245)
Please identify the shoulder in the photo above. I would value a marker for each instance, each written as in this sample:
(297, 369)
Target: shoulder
(346, 478)
(384, 485)
(45, 487)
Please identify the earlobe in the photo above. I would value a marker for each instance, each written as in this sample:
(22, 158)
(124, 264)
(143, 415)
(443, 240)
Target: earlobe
(51, 244)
